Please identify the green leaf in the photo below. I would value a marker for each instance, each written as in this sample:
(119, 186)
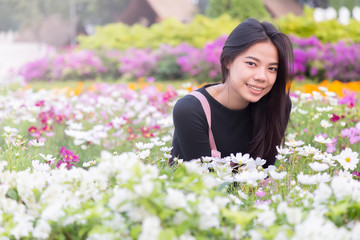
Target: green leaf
(135, 231)
(242, 218)
(167, 234)
(13, 194)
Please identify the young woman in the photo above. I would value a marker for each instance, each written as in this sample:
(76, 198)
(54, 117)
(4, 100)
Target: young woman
(250, 109)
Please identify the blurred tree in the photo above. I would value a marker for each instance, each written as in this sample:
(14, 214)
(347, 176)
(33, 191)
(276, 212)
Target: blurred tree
(17, 14)
(350, 4)
(240, 9)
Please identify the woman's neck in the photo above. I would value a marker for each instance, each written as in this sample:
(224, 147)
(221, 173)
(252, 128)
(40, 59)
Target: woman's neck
(223, 94)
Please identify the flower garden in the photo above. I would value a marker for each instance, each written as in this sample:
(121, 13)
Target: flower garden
(90, 162)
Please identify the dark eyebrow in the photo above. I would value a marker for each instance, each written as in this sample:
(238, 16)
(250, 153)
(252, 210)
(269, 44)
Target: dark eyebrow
(257, 60)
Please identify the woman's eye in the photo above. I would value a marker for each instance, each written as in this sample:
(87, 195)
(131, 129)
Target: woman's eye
(251, 63)
(273, 69)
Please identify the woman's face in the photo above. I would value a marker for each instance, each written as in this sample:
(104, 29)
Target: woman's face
(252, 73)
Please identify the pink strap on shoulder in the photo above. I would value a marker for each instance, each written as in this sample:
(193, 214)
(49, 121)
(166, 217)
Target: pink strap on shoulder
(205, 105)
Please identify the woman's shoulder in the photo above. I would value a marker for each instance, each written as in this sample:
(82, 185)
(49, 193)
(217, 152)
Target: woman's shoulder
(187, 103)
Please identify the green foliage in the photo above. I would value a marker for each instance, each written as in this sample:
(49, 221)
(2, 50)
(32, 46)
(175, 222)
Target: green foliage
(170, 31)
(326, 31)
(343, 3)
(239, 9)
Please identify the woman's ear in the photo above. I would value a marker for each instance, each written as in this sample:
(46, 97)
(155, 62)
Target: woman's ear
(227, 65)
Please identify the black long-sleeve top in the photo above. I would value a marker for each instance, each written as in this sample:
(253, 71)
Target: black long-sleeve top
(232, 129)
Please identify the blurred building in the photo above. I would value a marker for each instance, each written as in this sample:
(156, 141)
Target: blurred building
(278, 8)
(148, 12)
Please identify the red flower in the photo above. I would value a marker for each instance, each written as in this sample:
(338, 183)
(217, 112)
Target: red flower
(130, 130)
(147, 135)
(144, 130)
(131, 137)
(32, 129)
(335, 118)
(59, 119)
(47, 127)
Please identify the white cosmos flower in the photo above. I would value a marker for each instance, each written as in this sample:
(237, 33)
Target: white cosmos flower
(144, 154)
(329, 161)
(144, 189)
(235, 199)
(187, 236)
(307, 150)
(355, 231)
(175, 199)
(324, 109)
(118, 122)
(40, 166)
(36, 143)
(242, 195)
(317, 96)
(325, 123)
(303, 112)
(321, 139)
(48, 157)
(151, 228)
(248, 176)
(306, 179)
(348, 159)
(341, 187)
(323, 177)
(319, 156)
(318, 167)
(89, 163)
(251, 165)
(239, 158)
(166, 138)
(322, 193)
(9, 130)
(141, 145)
(323, 89)
(259, 161)
(266, 218)
(291, 136)
(224, 170)
(283, 151)
(281, 158)
(293, 215)
(159, 143)
(165, 149)
(42, 229)
(277, 175)
(294, 143)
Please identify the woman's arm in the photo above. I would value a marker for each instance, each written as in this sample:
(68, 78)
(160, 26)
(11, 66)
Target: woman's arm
(191, 139)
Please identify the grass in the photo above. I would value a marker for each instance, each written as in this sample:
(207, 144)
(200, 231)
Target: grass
(87, 84)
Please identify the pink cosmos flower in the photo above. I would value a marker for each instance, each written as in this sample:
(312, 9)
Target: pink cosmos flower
(260, 193)
(68, 157)
(331, 147)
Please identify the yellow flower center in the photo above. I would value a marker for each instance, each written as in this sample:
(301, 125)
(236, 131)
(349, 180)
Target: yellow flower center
(347, 159)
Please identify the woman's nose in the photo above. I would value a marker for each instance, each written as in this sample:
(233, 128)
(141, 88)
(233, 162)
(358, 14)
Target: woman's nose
(260, 75)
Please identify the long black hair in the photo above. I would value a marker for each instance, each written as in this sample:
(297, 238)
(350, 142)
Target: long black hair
(271, 113)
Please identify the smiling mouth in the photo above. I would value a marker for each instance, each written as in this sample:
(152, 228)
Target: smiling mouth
(255, 88)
